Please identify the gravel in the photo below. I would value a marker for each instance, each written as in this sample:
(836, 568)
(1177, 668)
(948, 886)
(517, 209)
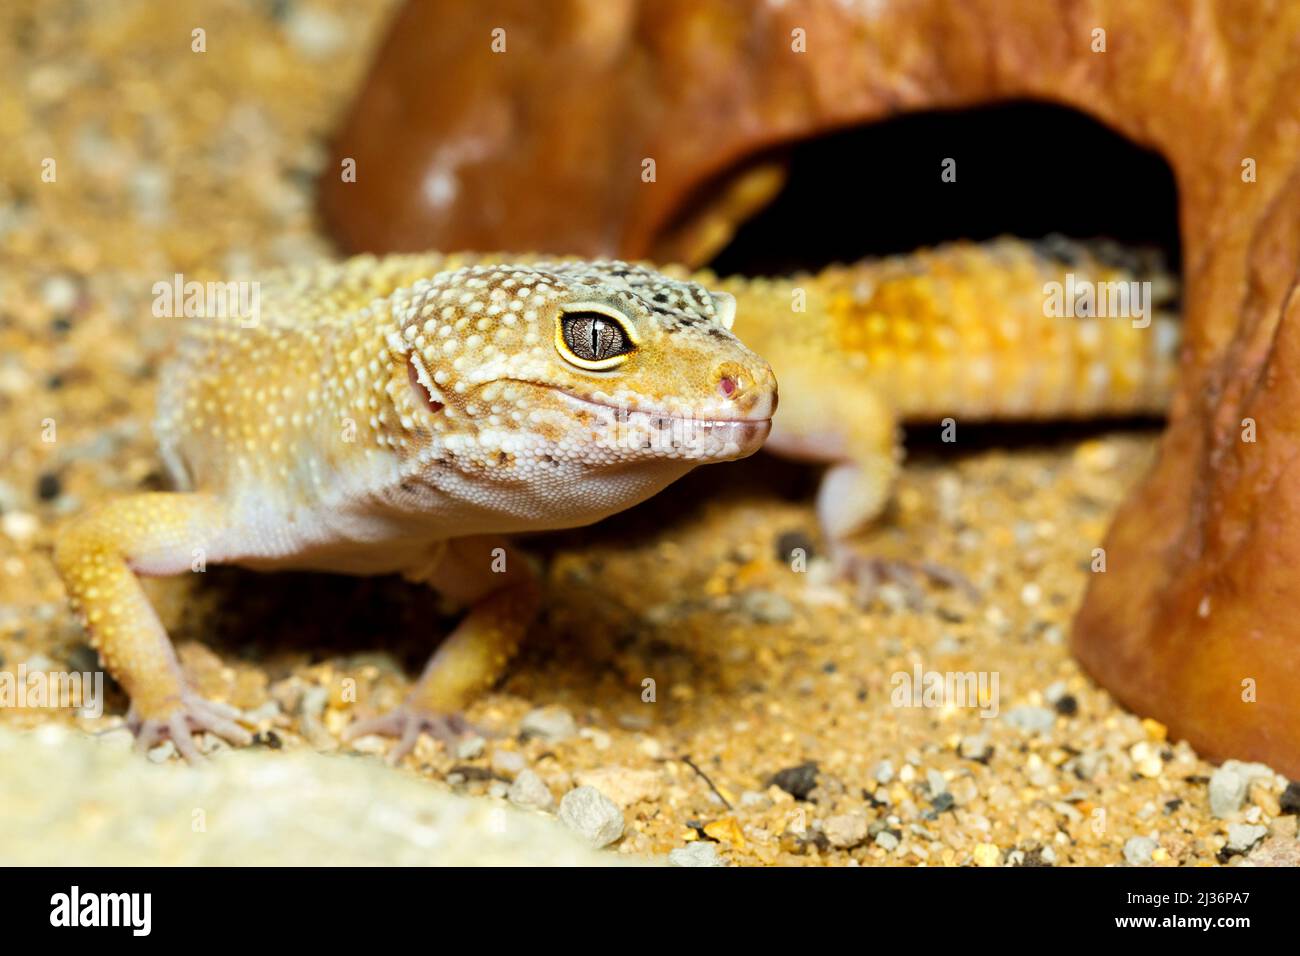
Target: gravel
(1034, 720)
(1138, 850)
(594, 816)
(551, 724)
(701, 853)
(530, 792)
(1243, 836)
(1229, 783)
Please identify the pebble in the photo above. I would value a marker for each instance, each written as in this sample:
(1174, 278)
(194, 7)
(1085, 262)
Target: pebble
(1146, 759)
(1034, 720)
(162, 753)
(59, 293)
(937, 784)
(315, 33)
(594, 816)
(887, 841)
(766, 607)
(622, 784)
(975, 747)
(1138, 850)
(701, 853)
(19, 526)
(507, 762)
(987, 854)
(883, 772)
(530, 792)
(48, 486)
(1229, 783)
(1243, 836)
(797, 781)
(471, 748)
(846, 829)
(551, 724)
(1289, 802)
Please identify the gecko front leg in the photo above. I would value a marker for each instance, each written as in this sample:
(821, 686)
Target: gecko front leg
(834, 416)
(98, 557)
(503, 598)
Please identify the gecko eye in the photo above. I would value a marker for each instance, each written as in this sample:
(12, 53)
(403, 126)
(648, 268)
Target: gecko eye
(593, 339)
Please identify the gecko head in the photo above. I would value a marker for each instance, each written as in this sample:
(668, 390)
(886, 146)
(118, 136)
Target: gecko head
(578, 371)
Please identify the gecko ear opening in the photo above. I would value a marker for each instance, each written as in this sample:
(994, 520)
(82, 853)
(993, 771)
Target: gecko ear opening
(422, 385)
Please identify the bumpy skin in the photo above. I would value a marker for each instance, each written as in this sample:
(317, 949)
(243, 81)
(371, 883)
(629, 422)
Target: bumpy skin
(399, 415)
(956, 331)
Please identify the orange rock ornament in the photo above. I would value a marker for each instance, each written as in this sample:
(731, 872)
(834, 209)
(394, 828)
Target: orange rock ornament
(605, 126)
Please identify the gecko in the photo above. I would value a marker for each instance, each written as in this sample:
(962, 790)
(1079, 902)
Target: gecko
(405, 415)
(477, 397)
(964, 332)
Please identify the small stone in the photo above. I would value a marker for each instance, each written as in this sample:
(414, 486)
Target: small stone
(1089, 763)
(987, 854)
(623, 785)
(887, 840)
(1138, 850)
(530, 792)
(1243, 836)
(797, 781)
(60, 293)
(48, 486)
(1055, 691)
(551, 724)
(507, 762)
(162, 753)
(1034, 720)
(1067, 706)
(700, 853)
(1289, 802)
(1229, 783)
(791, 542)
(766, 607)
(471, 748)
(587, 811)
(884, 771)
(936, 783)
(846, 829)
(1146, 759)
(975, 747)
(314, 33)
(19, 526)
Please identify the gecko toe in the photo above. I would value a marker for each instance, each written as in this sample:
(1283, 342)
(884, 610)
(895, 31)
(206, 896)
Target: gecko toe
(191, 715)
(406, 723)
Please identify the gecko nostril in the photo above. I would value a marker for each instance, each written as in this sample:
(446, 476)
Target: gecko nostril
(727, 386)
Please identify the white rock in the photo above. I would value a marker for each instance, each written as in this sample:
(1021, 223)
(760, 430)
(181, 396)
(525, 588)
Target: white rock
(597, 818)
(701, 853)
(531, 792)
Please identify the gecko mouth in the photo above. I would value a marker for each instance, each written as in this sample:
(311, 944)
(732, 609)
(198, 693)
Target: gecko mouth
(678, 435)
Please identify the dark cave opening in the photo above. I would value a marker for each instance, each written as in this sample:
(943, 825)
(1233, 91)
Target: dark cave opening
(1027, 169)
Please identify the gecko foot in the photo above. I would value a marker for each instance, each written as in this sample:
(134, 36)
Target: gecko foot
(406, 723)
(192, 715)
(868, 573)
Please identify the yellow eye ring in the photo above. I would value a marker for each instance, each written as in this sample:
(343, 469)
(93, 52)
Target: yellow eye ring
(593, 336)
